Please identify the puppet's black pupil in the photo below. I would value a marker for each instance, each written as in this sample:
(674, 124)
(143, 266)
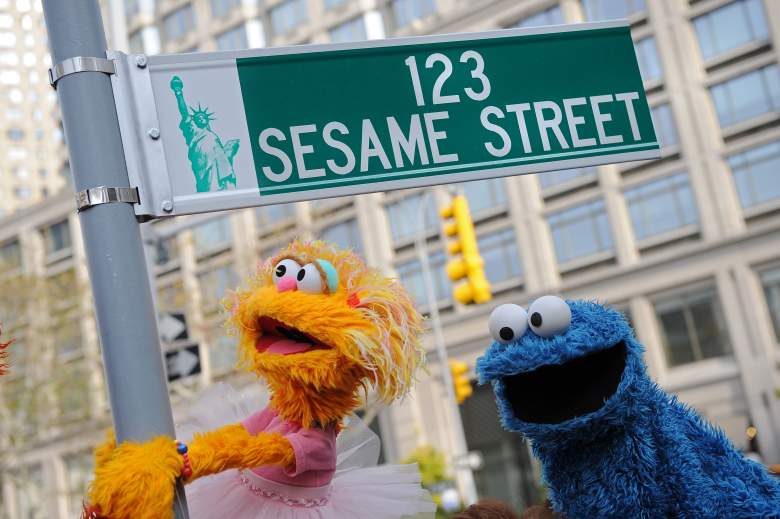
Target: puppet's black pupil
(536, 319)
(506, 333)
(301, 274)
(280, 270)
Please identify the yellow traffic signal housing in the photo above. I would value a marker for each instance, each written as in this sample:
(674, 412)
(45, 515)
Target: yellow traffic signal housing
(460, 380)
(469, 265)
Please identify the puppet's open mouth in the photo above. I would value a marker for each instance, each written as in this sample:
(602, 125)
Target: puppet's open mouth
(558, 392)
(281, 339)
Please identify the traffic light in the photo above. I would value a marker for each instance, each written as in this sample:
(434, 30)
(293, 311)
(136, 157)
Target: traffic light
(460, 380)
(476, 289)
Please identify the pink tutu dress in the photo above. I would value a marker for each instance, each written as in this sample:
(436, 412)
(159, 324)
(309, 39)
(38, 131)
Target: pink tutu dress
(335, 477)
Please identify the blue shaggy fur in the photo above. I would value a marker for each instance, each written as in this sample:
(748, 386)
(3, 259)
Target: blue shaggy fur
(643, 454)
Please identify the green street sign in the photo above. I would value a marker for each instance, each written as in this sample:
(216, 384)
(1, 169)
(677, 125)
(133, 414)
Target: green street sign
(276, 125)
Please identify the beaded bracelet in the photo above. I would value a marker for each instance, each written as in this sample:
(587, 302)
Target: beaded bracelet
(186, 470)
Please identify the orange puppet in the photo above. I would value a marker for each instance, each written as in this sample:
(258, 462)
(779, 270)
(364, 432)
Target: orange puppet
(320, 327)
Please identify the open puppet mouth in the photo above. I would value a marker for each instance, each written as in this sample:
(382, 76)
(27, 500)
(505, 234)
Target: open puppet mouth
(555, 393)
(281, 339)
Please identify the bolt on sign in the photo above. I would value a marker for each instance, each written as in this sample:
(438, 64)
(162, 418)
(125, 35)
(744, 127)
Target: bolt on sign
(213, 131)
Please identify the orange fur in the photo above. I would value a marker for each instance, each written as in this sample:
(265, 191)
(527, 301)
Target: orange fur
(136, 480)
(232, 447)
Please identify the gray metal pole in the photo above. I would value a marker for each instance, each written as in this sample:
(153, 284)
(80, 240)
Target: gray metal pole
(117, 267)
(464, 472)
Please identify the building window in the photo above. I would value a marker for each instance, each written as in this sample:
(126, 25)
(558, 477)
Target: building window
(692, 327)
(756, 174)
(404, 216)
(68, 332)
(17, 153)
(508, 473)
(10, 255)
(15, 134)
(272, 215)
(730, 26)
(166, 250)
(407, 11)
(611, 9)
(135, 42)
(179, 23)
(647, 56)
(351, 30)
(30, 492)
(344, 234)
(214, 283)
(132, 8)
(580, 231)
(172, 297)
(329, 4)
(222, 7)
(233, 39)
(72, 390)
(288, 15)
(223, 353)
(747, 96)
(551, 16)
(78, 468)
(56, 237)
(661, 205)
(10, 77)
(410, 274)
(485, 194)
(214, 234)
(554, 178)
(770, 279)
(499, 251)
(665, 128)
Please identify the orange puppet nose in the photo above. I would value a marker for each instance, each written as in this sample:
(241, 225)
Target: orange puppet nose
(287, 283)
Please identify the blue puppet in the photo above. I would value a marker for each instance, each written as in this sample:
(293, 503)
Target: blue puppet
(612, 444)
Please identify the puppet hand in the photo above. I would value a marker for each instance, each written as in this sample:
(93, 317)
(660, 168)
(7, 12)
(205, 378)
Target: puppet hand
(135, 480)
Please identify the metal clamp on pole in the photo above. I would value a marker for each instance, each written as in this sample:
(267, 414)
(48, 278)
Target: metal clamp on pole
(106, 195)
(78, 64)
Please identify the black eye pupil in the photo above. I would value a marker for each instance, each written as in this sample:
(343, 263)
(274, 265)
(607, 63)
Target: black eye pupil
(301, 274)
(536, 319)
(280, 270)
(506, 333)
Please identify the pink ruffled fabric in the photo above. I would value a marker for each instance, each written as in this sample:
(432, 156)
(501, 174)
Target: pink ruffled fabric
(381, 492)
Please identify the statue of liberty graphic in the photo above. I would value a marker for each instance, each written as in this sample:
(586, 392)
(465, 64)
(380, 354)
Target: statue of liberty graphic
(212, 161)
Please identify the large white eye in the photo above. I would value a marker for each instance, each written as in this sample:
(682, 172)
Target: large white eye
(310, 280)
(508, 323)
(285, 269)
(548, 316)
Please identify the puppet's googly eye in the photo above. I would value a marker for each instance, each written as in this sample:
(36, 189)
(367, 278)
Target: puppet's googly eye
(310, 280)
(548, 316)
(508, 323)
(287, 268)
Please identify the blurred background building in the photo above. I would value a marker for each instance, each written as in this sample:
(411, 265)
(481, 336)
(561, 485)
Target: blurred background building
(688, 246)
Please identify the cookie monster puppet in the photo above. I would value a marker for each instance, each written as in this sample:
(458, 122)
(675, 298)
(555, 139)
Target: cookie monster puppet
(611, 443)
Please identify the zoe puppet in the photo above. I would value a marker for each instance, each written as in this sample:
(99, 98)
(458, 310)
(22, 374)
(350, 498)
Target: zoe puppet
(319, 326)
(569, 376)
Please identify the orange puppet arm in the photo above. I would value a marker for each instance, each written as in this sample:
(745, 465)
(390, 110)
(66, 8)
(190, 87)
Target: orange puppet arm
(233, 447)
(136, 480)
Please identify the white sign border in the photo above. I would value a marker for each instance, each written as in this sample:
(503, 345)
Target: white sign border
(146, 163)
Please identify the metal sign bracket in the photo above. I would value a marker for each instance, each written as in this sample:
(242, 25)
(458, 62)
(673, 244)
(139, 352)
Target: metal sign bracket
(87, 198)
(141, 136)
(78, 64)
